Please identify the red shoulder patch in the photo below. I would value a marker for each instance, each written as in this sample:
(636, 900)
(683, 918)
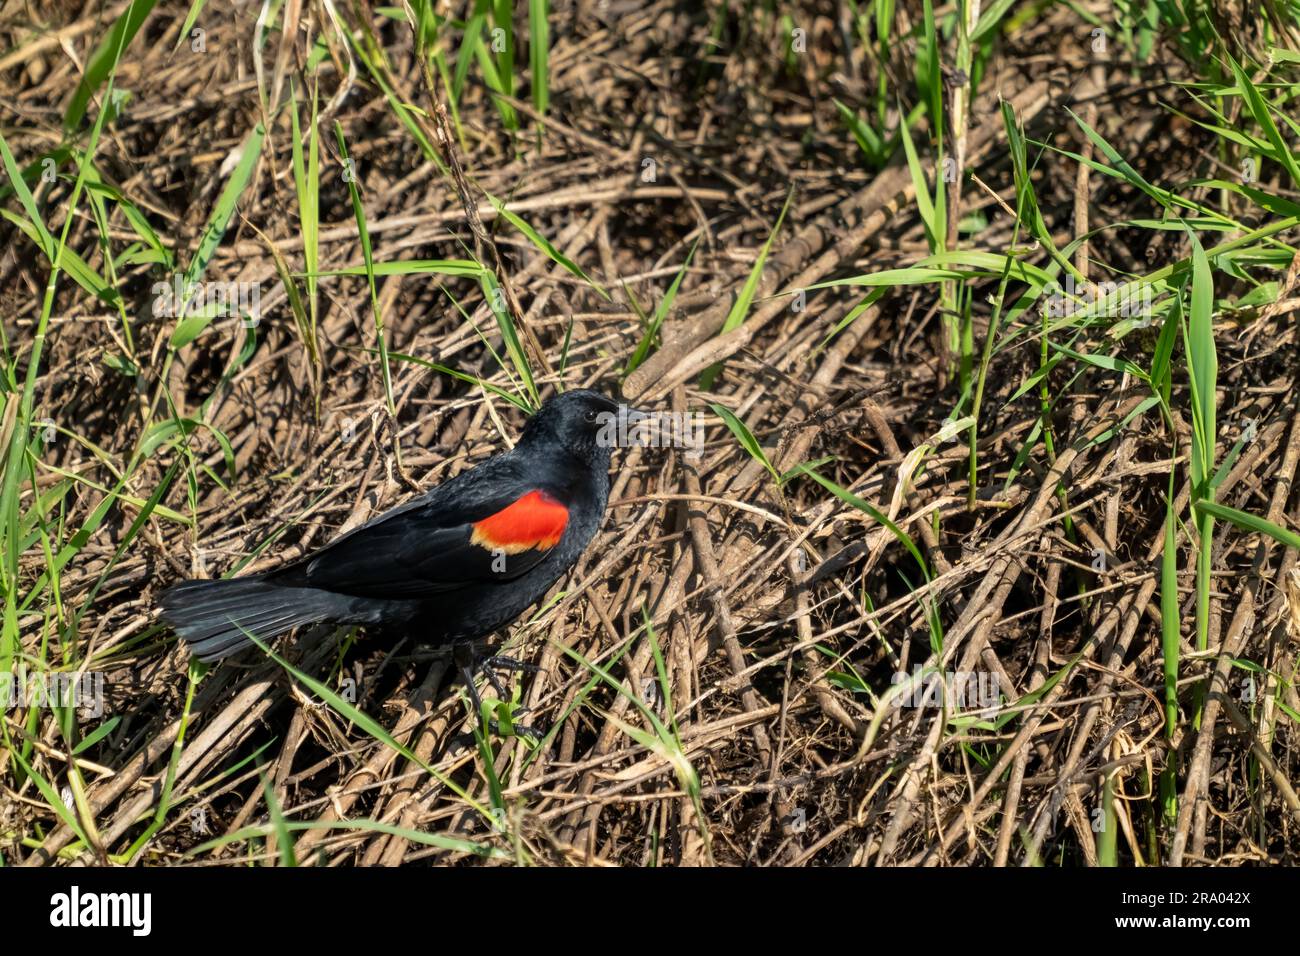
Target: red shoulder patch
(534, 521)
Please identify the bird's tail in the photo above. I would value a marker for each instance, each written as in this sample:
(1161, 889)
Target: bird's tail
(213, 617)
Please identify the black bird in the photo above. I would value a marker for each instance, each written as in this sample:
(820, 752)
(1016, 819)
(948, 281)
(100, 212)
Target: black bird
(451, 566)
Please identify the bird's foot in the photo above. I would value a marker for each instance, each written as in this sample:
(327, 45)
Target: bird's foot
(470, 667)
(499, 662)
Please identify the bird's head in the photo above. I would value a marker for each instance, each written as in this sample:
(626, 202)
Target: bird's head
(586, 423)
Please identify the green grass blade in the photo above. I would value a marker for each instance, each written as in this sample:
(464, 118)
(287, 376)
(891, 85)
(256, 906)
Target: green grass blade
(665, 306)
(545, 245)
(740, 308)
(104, 60)
(1249, 522)
(539, 49)
(745, 437)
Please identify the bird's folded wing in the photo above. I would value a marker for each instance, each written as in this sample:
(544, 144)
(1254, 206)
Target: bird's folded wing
(409, 553)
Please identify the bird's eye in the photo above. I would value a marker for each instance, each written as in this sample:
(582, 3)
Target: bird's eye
(591, 416)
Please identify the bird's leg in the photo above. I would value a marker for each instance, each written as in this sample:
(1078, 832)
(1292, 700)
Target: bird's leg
(463, 655)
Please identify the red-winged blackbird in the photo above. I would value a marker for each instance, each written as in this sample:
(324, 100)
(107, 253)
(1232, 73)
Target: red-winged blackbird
(455, 564)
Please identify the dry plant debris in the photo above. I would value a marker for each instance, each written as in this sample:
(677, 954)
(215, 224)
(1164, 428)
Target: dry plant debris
(976, 565)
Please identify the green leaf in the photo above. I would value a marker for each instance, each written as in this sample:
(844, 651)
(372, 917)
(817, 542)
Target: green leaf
(746, 437)
(740, 308)
(96, 735)
(665, 304)
(1250, 522)
(105, 57)
(43, 237)
(1203, 365)
(544, 244)
(220, 218)
(539, 43)
(1259, 109)
(509, 334)
(850, 498)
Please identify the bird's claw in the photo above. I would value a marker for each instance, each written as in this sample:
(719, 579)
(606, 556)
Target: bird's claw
(492, 664)
(516, 729)
(501, 662)
(487, 665)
